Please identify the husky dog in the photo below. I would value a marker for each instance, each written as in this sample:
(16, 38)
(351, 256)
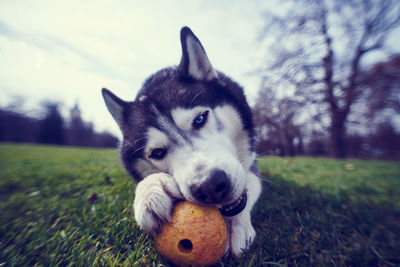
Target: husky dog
(189, 136)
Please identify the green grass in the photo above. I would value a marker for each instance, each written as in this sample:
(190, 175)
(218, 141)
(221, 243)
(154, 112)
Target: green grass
(72, 206)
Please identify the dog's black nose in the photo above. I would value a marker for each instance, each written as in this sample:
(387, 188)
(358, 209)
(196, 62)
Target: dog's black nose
(214, 190)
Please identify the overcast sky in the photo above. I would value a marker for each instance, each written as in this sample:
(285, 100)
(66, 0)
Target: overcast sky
(68, 50)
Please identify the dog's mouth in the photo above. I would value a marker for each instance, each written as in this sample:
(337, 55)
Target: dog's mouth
(234, 207)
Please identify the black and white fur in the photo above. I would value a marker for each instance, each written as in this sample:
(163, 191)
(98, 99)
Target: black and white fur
(189, 135)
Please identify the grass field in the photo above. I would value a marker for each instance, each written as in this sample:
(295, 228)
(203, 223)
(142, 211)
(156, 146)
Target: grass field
(72, 206)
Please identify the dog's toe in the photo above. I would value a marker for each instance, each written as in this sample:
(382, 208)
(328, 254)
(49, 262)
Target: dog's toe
(242, 236)
(153, 205)
(149, 223)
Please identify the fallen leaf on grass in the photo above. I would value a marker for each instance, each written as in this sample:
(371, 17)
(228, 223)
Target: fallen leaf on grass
(93, 198)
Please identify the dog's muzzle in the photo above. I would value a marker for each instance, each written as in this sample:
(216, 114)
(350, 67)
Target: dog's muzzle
(235, 207)
(215, 190)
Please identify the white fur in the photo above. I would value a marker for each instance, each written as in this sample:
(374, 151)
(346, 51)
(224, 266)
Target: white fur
(231, 121)
(183, 118)
(211, 148)
(242, 233)
(154, 201)
(220, 144)
(155, 139)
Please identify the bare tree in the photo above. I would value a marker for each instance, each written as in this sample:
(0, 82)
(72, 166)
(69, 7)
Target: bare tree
(276, 124)
(52, 125)
(320, 50)
(382, 82)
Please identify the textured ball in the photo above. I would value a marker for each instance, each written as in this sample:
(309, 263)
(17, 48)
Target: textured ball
(196, 236)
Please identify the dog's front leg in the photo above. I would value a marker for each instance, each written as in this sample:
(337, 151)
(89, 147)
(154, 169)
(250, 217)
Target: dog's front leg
(154, 200)
(241, 231)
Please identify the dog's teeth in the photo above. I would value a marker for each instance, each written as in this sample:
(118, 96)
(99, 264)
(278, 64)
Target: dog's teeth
(234, 204)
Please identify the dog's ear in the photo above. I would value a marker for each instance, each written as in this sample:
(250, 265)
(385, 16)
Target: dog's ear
(194, 62)
(115, 105)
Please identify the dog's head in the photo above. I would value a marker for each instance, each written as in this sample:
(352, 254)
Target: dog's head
(193, 123)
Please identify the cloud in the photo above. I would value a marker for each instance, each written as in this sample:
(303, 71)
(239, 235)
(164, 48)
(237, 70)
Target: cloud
(69, 50)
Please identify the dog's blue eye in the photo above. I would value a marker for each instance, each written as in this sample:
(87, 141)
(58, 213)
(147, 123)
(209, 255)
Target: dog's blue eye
(200, 120)
(158, 153)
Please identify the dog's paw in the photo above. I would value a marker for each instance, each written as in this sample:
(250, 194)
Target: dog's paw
(154, 201)
(241, 237)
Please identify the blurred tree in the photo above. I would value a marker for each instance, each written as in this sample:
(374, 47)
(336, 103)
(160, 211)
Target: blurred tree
(106, 139)
(317, 145)
(358, 146)
(52, 125)
(382, 83)
(386, 141)
(17, 126)
(16, 104)
(319, 49)
(79, 132)
(275, 124)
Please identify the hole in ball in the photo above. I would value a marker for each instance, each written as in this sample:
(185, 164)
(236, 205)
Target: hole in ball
(185, 246)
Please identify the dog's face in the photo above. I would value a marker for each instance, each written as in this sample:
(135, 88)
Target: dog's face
(192, 123)
(203, 148)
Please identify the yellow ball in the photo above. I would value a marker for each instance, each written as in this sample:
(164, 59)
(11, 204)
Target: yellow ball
(196, 236)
